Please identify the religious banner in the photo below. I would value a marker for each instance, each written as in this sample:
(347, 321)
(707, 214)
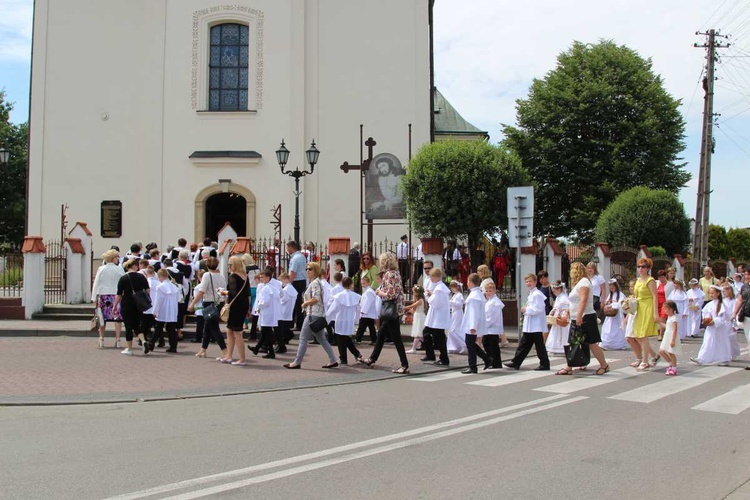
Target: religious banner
(383, 197)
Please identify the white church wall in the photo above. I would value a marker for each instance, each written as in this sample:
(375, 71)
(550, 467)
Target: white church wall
(114, 118)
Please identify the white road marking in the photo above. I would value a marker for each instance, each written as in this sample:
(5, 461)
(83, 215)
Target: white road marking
(331, 451)
(514, 377)
(367, 453)
(440, 377)
(673, 385)
(581, 384)
(733, 402)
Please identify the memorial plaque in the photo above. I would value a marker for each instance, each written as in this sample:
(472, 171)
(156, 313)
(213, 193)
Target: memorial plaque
(111, 222)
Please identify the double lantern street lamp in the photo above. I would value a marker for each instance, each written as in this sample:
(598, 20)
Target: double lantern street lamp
(4, 155)
(282, 156)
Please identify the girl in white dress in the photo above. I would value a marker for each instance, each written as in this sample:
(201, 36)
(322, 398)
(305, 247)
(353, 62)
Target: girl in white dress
(670, 346)
(696, 298)
(729, 302)
(558, 335)
(613, 335)
(680, 298)
(629, 306)
(456, 341)
(419, 309)
(715, 349)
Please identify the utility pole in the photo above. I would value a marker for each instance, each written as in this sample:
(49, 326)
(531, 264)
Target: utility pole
(700, 238)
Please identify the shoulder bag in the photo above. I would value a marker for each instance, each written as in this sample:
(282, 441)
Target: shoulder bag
(577, 352)
(319, 323)
(224, 315)
(141, 298)
(211, 311)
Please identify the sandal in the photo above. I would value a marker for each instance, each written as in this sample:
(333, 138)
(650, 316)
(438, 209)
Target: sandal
(643, 367)
(602, 370)
(367, 361)
(401, 371)
(655, 360)
(635, 364)
(564, 371)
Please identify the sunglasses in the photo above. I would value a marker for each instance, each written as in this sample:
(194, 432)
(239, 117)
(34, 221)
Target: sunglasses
(428, 269)
(642, 267)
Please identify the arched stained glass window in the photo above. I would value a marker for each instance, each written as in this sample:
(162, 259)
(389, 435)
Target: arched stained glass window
(228, 68)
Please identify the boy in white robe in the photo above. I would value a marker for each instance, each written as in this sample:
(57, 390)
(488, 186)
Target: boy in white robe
(288, 299)
(493, 312)
(343, 312)
(329, 293)
(368, 310)
(474, 324)
(534, 326)
(438, 319)
(268, 317)
(165, 310)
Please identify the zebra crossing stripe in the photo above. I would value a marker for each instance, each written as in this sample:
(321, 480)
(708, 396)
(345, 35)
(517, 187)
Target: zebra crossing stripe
(673, 385)
(583, 383)
(733, 402)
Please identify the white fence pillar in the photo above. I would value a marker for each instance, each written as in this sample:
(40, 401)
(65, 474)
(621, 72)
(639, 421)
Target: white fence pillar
(553, 259)
(82, 232)
(604, 265)
(74, 261)
(33, 275)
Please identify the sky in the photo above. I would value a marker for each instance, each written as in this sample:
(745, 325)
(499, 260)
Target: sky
(487, 53)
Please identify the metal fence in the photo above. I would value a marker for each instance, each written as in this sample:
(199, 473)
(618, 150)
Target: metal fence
(56, 272)
(11, 270)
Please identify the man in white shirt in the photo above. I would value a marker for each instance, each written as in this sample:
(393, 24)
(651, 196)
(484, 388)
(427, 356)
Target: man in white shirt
(534, 326)
(418, 259)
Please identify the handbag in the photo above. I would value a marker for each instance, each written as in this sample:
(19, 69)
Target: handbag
(562, 319)
(318, 324)
(211, 311)
(141, 298)
(577, 353)
(224, 314)
(95, 323)
(389, 309)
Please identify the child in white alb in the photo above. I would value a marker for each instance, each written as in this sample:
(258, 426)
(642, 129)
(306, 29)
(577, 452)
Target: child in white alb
(368, 310)
(670, 346)
(418, 308)
(344, 313)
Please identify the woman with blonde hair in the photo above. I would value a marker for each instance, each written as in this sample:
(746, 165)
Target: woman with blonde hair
(103, 294)
(392, 293)
(647, 313)
(238, 297)
(583, 316)
(314, 309)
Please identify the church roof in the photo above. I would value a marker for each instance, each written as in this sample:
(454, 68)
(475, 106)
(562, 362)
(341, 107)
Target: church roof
(449, 122)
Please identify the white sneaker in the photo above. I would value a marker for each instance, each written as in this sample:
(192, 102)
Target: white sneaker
(101, 344)
(127, 352)
(117, 344)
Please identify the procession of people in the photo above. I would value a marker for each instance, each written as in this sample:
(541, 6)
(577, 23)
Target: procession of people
(149, 293)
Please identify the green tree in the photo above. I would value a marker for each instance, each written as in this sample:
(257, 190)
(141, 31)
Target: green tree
(718, 245)
(454, 189)
(644, 216)
(599, 123)
(738, 241)
(13, 176)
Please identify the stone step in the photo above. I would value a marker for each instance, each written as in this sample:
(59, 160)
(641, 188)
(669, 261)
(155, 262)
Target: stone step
(63, 316)
(87, 309)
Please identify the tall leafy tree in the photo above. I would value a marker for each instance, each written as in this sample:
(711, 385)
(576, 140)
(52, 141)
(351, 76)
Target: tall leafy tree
(643, 216)
(13, 176)
(455, 189)
(599, 123)
(738, 240)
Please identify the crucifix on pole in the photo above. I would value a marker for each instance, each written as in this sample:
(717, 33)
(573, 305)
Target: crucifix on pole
(363, 167)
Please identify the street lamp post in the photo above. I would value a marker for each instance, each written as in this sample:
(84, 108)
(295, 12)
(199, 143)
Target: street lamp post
(282, 156)
(4, 154)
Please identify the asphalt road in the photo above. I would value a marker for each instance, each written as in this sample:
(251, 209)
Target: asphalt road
(498, 434)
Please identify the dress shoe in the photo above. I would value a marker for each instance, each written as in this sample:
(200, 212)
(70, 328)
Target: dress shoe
(270, 355)
(488, 363)
(510, 365)
(172, 350)
(281, 350)
(331, 365)
(427, 358)
(441, 363)
(541, 369)
(254, 350)
(469, 370)
(292, 367)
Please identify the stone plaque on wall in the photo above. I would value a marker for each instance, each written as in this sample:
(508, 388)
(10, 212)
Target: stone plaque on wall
(111, 219)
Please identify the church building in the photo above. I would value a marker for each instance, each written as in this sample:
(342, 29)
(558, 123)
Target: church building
(159, 119)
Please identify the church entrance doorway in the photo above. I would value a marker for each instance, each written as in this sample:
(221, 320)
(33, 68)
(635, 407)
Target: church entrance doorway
(222, 208)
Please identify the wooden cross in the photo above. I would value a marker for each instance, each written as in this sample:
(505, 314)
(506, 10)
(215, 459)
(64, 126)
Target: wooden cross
(363, 168)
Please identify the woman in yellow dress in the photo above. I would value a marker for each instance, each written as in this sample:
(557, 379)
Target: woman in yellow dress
(647, 314)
